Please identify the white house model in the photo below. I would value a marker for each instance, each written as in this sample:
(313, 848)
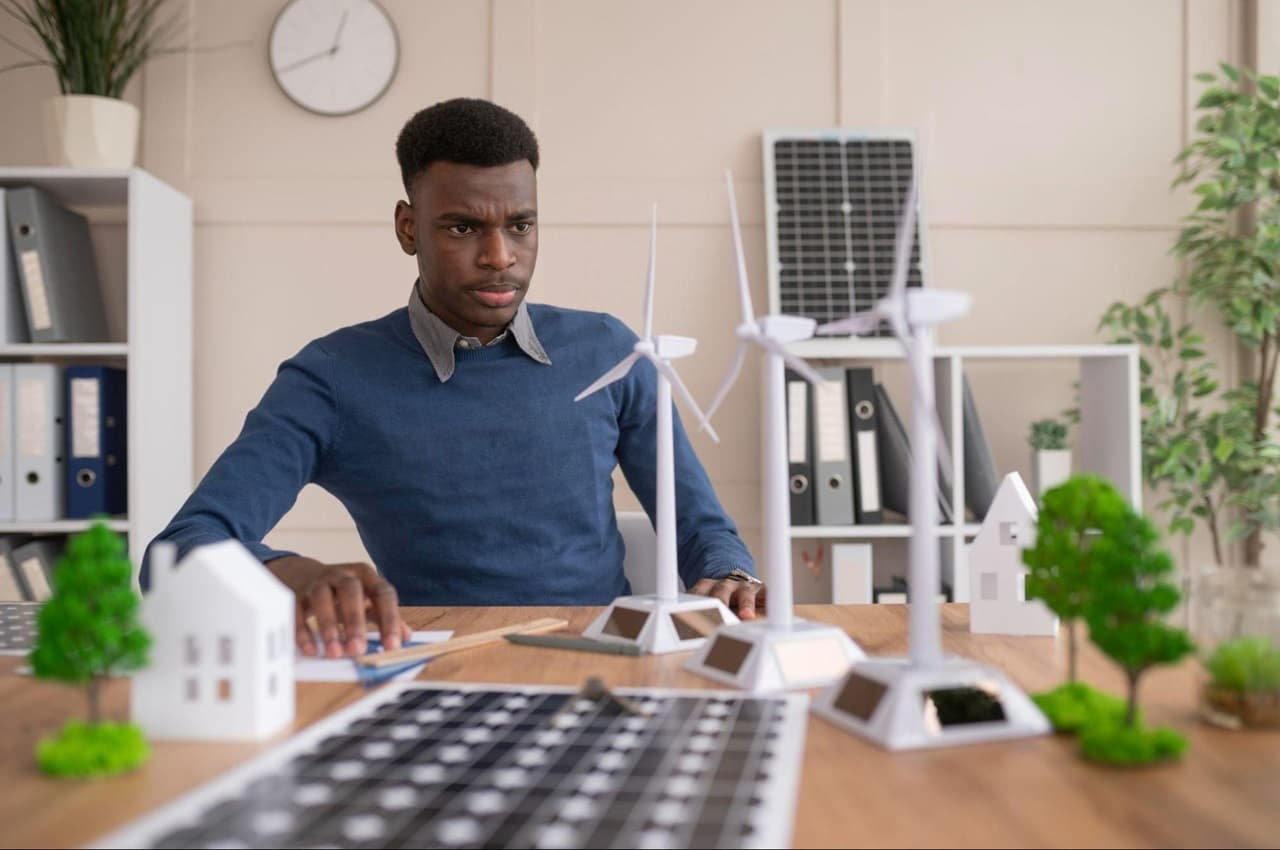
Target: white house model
(997, 577)
(222, 647)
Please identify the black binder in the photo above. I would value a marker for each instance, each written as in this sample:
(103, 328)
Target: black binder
(895, 463)
(980, 477)
(800, 448)
(864, 446)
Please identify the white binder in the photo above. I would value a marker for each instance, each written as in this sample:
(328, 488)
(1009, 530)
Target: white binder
(13, 312)
(38, 421)
(34, 563)
(833, 469)
(8, 480)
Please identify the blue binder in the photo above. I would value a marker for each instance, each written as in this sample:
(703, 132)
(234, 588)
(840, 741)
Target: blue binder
(96, 462)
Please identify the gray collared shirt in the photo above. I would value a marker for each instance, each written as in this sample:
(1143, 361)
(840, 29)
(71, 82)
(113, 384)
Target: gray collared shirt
(439, 340)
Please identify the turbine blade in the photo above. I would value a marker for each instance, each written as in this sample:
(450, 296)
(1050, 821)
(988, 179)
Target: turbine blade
(671, 375)
(859, 323)
(906, 234)
(617, 373)
(727, 383)
(794, 363)
(744, 288)
(648, 287)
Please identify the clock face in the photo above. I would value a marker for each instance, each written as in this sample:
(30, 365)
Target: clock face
(333, 57)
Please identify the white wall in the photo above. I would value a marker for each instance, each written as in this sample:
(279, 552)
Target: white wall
(1049, 129)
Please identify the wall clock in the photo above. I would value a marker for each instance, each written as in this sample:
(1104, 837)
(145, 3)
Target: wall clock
(333, 57)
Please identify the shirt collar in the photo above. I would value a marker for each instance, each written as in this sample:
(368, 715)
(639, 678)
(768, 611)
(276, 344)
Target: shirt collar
(439, 340)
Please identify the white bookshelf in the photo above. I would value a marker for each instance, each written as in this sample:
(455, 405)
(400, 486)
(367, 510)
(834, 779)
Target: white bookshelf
(142, 235)
(1108, 435)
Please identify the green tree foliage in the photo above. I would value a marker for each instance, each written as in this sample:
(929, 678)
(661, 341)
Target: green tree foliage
(89, 629)
(94, 46)
(1212, 456)
(1048, 435)
(1127, 597)
(1074, 515)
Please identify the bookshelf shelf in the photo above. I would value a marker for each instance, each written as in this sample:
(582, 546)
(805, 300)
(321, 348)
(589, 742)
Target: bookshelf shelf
(60, 526)
(142, 234)
(52, 350)
(867, 532)
(1108, 432)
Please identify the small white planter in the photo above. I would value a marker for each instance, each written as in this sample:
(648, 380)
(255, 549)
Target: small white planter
(1049, 468)
(87, 131)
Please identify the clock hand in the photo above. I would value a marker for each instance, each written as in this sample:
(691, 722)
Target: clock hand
(337, 36)
(328, 51)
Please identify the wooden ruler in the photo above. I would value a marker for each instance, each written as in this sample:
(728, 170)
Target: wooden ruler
(431, 650)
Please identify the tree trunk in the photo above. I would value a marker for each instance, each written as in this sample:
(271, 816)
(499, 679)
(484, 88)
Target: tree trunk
(1261, 424)
(1071, 651)
(95, 704)
(1131, 709)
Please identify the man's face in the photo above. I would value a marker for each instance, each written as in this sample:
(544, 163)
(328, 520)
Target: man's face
(475, 233)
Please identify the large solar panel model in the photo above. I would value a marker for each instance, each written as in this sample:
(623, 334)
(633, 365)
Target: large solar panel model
(451, 765)
(833, 200)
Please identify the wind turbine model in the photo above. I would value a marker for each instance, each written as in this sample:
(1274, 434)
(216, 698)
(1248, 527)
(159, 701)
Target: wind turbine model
(780, 651)
(923, 700)
(667, 621)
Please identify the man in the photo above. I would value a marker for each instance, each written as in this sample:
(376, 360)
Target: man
(448, 428)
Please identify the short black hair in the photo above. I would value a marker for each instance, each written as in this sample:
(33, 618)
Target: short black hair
(465, 130)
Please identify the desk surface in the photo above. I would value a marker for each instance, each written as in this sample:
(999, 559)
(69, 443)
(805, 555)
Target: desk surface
(1028, 793)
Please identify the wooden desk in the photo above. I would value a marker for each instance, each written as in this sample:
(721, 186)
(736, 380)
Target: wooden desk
(1226, 792)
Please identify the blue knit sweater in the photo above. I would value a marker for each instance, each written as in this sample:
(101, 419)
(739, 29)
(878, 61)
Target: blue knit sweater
(493, 488)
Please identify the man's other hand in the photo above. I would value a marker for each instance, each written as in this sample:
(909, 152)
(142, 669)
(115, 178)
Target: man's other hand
(742, 597)
(341, 598)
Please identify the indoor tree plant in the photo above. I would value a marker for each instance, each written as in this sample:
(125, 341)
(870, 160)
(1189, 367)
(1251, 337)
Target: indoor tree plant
(94, 47)
(1210, 451)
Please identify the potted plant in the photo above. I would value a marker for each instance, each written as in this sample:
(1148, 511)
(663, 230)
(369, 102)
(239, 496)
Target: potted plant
(89, 630)
(1238, 628)
(94, 47)
(1050, 457)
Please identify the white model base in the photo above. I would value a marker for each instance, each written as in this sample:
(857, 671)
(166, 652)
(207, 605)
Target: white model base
(905, 707)
(757, 657)
(659, 625)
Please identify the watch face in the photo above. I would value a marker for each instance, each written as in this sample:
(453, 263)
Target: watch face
(333, 57)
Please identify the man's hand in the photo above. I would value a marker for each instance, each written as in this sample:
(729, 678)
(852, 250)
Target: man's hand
(337, 596)
(742, 597)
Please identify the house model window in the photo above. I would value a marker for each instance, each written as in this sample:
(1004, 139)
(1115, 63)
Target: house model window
(224, 650)
(191, 653)
(990, 587)
(1009, 533)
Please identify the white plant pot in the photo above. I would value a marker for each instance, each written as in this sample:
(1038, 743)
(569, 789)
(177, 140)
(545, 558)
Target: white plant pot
(87, 131)
(1049, 468)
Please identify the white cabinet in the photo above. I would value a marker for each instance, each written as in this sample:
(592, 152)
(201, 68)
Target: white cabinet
(142, 235)
(1108, 436)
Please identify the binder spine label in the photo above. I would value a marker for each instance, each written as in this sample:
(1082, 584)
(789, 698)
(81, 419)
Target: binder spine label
(86, 406)
(5, 414)
(796, 416)
(32, 409)
(868, 473)
(833, 442)
(37, 581)
(37, 300)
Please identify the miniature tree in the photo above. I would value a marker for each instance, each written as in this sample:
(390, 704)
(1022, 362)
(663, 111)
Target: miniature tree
(1074, 515)
(89, 630)
(1127, 599)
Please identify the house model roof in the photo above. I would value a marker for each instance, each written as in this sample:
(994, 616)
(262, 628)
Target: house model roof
(230, 567)
(1013, 503)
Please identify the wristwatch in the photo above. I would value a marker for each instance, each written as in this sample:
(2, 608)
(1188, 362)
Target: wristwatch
(741, 575)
